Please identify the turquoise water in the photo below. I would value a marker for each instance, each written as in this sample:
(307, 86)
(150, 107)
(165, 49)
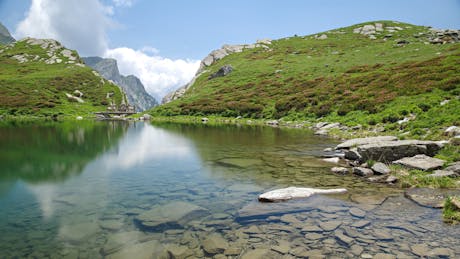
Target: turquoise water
(135, 190)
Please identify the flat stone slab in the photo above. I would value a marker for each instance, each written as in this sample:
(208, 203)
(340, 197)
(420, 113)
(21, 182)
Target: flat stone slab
(421, 162)
(295, 192)
(364, 141)
(429, 197)
(443, 173)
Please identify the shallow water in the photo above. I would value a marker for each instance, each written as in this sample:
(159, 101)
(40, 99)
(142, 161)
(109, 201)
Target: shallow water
(121, 190)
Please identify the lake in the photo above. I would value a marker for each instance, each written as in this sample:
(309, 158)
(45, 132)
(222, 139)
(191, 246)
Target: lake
(139, 190)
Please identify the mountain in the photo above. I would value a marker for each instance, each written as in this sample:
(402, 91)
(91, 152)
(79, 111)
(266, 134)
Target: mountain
(40, 77)
(132, 86)
(369, 73)
(5, 36)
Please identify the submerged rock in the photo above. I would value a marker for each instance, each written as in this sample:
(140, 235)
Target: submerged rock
(295, 192)
(78, 232)
(215, 244)
(147, 250)
(172, 214)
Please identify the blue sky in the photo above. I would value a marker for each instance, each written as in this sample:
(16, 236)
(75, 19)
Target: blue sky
(175, 34)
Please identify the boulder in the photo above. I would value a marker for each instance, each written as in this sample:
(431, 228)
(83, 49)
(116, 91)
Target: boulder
(273, 123)
(388, 151)
(321, 37)
(295, 192)
(368, 29)
(452, 131)
(353, 155)
(172, 214)
(380, 168)
(364, 141)
(74, 98)
(454, 167)
(340, 170)
(421, 162)
(361, 171)
(391, 179)
(77, 93)
(204, 120)
(223, 71)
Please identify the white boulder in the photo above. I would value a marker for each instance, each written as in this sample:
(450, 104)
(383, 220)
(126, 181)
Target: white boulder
(295, 192)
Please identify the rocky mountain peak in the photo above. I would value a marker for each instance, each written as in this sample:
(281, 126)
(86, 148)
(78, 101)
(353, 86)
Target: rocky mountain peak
(131, 85)
(5, 36)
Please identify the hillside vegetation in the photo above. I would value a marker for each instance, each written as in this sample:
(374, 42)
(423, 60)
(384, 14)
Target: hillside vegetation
(344, 75)
(36, 77)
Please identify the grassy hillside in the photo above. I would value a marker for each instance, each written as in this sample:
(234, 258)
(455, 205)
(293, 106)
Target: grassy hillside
(347, 77)
(35, 76)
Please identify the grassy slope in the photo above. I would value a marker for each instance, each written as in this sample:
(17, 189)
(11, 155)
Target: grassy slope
(38, 89)
(347, 78)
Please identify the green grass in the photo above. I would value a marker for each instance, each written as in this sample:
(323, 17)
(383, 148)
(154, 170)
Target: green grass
(347, 78)
(417, 178)
(450, 213)
(35, 88)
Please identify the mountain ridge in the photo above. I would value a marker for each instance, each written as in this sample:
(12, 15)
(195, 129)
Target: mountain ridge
(133, 87)
(369, 73)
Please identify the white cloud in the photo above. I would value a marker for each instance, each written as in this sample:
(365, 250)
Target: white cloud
(78, 24)
(83, 25)
(127, 3)
(158, 74)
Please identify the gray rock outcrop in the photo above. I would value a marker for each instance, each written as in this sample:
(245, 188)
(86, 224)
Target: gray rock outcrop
(210, 59)
(223, 71)
(130, 84)
(438, 36)
(371, 30)
(5, 36)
